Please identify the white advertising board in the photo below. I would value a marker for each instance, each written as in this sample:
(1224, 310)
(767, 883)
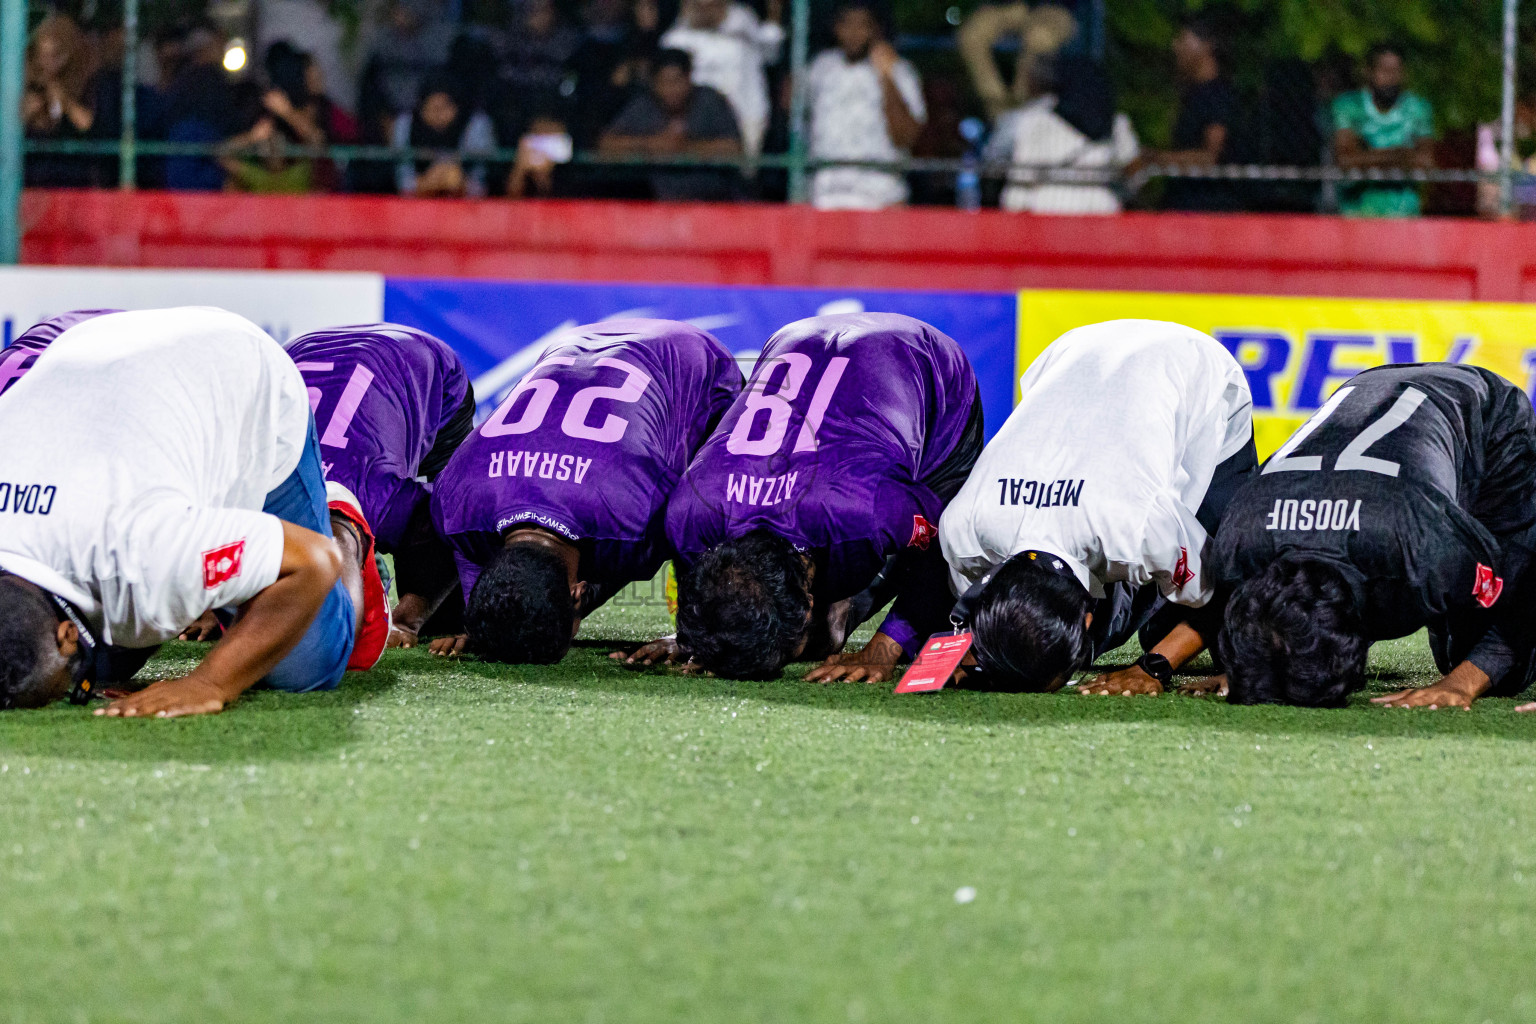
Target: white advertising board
(284, 303)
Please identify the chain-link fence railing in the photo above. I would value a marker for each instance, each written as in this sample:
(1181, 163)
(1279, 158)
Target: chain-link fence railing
(1091, 107)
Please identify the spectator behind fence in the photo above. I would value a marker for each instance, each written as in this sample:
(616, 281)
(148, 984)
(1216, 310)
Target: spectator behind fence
(294, 111)
(543, 152)
(319, 28)
(676, 118)
(1207, 109)
(533, 59)
(865, 103)
(618, 41)
(1042, 31)
(200, 107)
(1382, 126)
(731, 48)
(444, 123)
(1071, 124)
(106, 92)
(55, 105)
(413, 42)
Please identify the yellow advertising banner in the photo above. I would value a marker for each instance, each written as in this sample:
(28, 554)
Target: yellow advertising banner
(1296, 352)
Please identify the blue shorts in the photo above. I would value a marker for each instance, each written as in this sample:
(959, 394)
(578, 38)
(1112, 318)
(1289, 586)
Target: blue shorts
(320, 659)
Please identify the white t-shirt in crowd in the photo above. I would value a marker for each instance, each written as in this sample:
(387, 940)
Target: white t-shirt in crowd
(152, 441)
(1035, 136)
(1105, 460)
(847, 114)
(731, 60)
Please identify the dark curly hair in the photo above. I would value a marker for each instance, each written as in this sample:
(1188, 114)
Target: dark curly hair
(1293, 636)
(520, 610)
(26, 629)
(744, 606)
(1030, 629)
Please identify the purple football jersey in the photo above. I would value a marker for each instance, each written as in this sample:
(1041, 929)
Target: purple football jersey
(21, 354)
(589, 445)
(380, 393)
(829, 443)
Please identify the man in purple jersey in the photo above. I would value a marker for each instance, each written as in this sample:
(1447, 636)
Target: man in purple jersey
(818, 498)
(391, 403)
(21, 354)
(557, 501)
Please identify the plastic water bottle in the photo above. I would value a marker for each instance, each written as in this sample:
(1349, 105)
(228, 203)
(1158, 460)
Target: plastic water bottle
(968, 181)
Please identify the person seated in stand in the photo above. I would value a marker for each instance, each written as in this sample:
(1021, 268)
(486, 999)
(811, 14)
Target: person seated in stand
(731, 48)
(1383, 126)
(864, 103)
(1086, 519)
(675, 118)
(542, 153)
(55, 103)
(173, 468)
(814, 503)
(1404, 502)
(556, 502)
(443, 123)
(1070, 125)
(396, 403)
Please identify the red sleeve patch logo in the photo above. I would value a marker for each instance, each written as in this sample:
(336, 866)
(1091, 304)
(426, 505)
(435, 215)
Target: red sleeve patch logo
(923, 533)
(1181, 573)
(1488, 586)
(222, 564)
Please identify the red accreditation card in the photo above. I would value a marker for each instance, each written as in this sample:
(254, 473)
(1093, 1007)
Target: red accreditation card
(936, 663)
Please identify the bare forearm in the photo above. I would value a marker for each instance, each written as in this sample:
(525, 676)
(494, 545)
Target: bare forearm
(718, 148)
(899, 122)
(1185, 158)
(414, 610)
(1181, 644)
(1361, 159)
(269, 626)
(624, 145)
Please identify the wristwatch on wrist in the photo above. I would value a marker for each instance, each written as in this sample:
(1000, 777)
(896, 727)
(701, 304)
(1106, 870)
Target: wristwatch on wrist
(1156, 666)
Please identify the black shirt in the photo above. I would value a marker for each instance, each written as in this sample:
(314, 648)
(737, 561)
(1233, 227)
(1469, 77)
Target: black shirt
(1203, 105)
(1419, 481)
(707, 118)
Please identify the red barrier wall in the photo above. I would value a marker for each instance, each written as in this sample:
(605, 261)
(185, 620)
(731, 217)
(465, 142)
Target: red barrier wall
(763, 244)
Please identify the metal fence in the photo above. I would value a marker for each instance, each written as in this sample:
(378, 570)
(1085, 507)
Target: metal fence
(971, 173)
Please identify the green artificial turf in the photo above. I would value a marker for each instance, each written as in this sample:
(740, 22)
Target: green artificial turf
(458, 842)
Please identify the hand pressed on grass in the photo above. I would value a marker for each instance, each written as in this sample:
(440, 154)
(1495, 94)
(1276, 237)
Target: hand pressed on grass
(171, 698)
(449, 646)
(876, 663)
(1463, 685)
(1125, 682)
(658, 652)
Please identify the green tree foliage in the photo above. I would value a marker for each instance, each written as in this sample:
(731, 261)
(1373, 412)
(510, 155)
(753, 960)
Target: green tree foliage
(1453, 46)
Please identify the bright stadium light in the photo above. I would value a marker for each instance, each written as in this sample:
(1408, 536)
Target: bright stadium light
(234, 56)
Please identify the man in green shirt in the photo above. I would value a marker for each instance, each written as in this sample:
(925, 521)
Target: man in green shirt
(1382, 126)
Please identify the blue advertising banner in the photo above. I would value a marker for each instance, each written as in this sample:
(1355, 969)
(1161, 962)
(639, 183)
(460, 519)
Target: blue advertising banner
(499, 328)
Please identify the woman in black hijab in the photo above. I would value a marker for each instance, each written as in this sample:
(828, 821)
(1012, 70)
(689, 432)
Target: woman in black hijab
(444, 122)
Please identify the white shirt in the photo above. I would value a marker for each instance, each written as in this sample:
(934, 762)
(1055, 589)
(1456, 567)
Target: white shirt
(154, 438)
(847, 115)
(1105, 460)
(730, 59)
(1035, 136)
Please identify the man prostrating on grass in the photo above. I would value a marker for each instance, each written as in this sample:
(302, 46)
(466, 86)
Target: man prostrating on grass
(1086, 519)
(816, 501)
(1408, 500)
(555, 503)
(158, 465)
(395, 403)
